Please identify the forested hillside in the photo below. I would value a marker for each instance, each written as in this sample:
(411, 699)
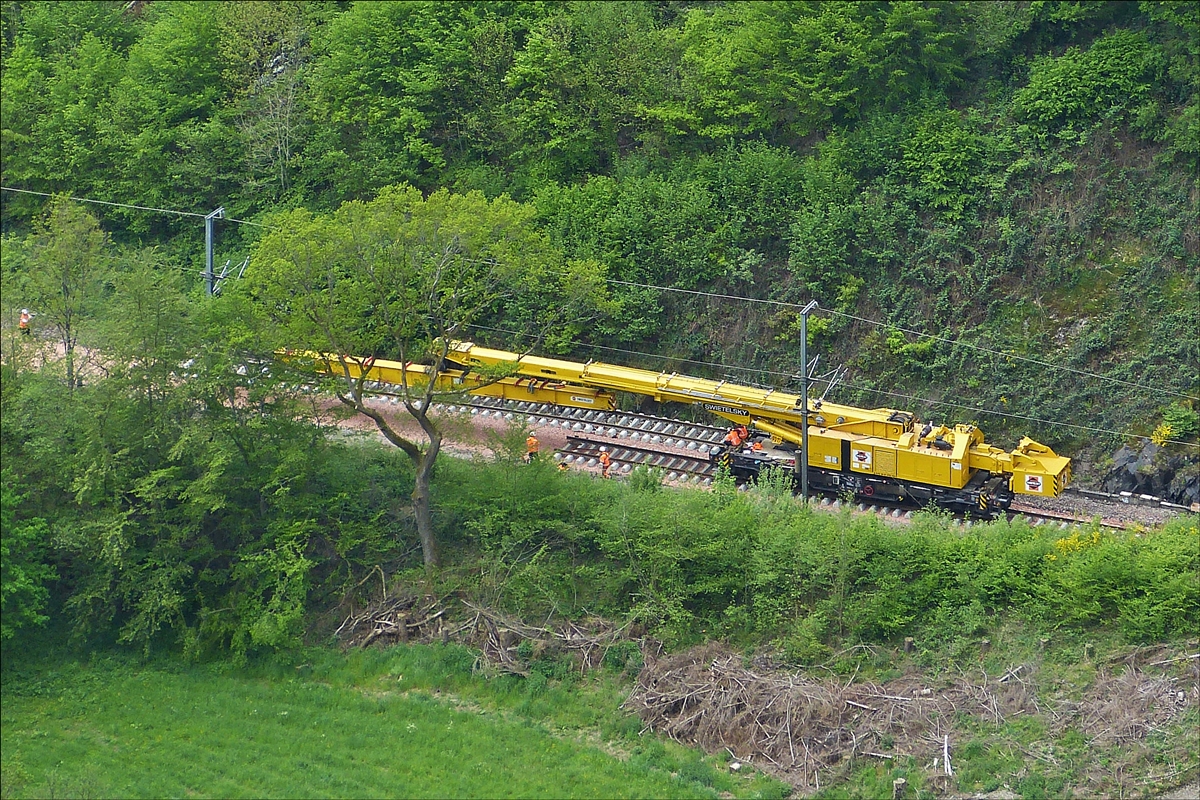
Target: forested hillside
(994, 204)
(1017, 176)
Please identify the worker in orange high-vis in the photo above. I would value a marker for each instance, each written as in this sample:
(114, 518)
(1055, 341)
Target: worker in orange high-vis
(531, 448)
(733, 439)
(605, 462)
(23, 322)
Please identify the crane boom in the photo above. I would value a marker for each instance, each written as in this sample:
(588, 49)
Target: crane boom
(861, 444)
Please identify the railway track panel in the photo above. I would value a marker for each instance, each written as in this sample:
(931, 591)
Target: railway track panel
(676, 467)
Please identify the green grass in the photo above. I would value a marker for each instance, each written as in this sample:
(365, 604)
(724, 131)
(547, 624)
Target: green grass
(377, 724)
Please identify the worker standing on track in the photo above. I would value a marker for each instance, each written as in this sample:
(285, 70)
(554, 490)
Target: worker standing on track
(605, 462)
(531, 448)
(23, 323)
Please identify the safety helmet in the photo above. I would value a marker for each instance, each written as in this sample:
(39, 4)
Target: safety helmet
(24, 310)
(603, 449)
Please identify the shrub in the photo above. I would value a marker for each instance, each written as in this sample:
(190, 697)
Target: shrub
(1116, 72)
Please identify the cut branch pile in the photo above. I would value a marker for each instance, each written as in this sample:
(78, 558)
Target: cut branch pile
(498, 636)
(805, 730)
(1124, 708)
(399, 618)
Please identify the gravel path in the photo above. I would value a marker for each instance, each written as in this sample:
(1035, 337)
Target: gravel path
(1091, 507)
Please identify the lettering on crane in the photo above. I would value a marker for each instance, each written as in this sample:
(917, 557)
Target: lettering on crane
(726, 410)
(582, 399)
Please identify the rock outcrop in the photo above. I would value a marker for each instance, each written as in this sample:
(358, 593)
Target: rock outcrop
(1154, 470)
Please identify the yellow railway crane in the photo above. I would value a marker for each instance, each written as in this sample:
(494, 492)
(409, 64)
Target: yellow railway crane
(868, 452)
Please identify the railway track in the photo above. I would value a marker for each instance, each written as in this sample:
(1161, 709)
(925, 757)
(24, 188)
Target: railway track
(683, 450)
(676, 467)
(1121, 510)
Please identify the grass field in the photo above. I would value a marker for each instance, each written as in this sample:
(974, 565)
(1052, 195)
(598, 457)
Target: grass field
(406, 722)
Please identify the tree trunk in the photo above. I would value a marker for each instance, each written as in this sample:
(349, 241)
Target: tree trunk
(423, 511)
(69, 353)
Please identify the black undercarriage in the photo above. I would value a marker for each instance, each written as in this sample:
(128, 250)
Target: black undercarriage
(985, 496)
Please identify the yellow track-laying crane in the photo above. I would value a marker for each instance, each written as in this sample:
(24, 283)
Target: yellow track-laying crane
(877, 453)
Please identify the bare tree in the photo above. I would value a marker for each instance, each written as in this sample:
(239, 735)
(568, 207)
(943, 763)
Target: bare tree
(269, 126)
(263, 47)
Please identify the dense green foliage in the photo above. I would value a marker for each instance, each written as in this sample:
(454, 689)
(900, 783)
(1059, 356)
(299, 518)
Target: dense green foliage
(757, 567)
(1021, 177)
(1016, 175)
(176, 485)
(174, 514)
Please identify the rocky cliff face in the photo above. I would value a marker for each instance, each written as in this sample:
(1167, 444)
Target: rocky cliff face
(1150, 469)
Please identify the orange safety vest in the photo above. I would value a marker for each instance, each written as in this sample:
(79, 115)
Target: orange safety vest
(24, 323)
(531, 444)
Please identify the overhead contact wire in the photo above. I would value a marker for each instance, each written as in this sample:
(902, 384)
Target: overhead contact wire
(715, 295)
(176, 212)
(953, 342)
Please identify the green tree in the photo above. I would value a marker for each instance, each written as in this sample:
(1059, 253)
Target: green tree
(264, 48)
(61, 61)
(402, 277)
(64, 284)
(174, 146)
(797, 68)
(24, 570)
(943, 160)
(580, 85)
(385, 73)
(1116, 73)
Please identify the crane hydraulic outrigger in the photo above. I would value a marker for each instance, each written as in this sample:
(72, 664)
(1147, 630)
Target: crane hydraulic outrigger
(868, 452)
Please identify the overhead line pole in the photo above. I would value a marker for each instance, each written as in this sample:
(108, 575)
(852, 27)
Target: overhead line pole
(209, 278)
(803, 462)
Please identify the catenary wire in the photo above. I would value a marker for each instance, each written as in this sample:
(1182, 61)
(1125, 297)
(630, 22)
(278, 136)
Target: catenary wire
(135, 207)
(954, 342)
(714, 295)
(913, 398)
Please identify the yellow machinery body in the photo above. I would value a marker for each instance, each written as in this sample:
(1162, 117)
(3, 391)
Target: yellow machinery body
(852, 447)
(866, 442)
(390, 377)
